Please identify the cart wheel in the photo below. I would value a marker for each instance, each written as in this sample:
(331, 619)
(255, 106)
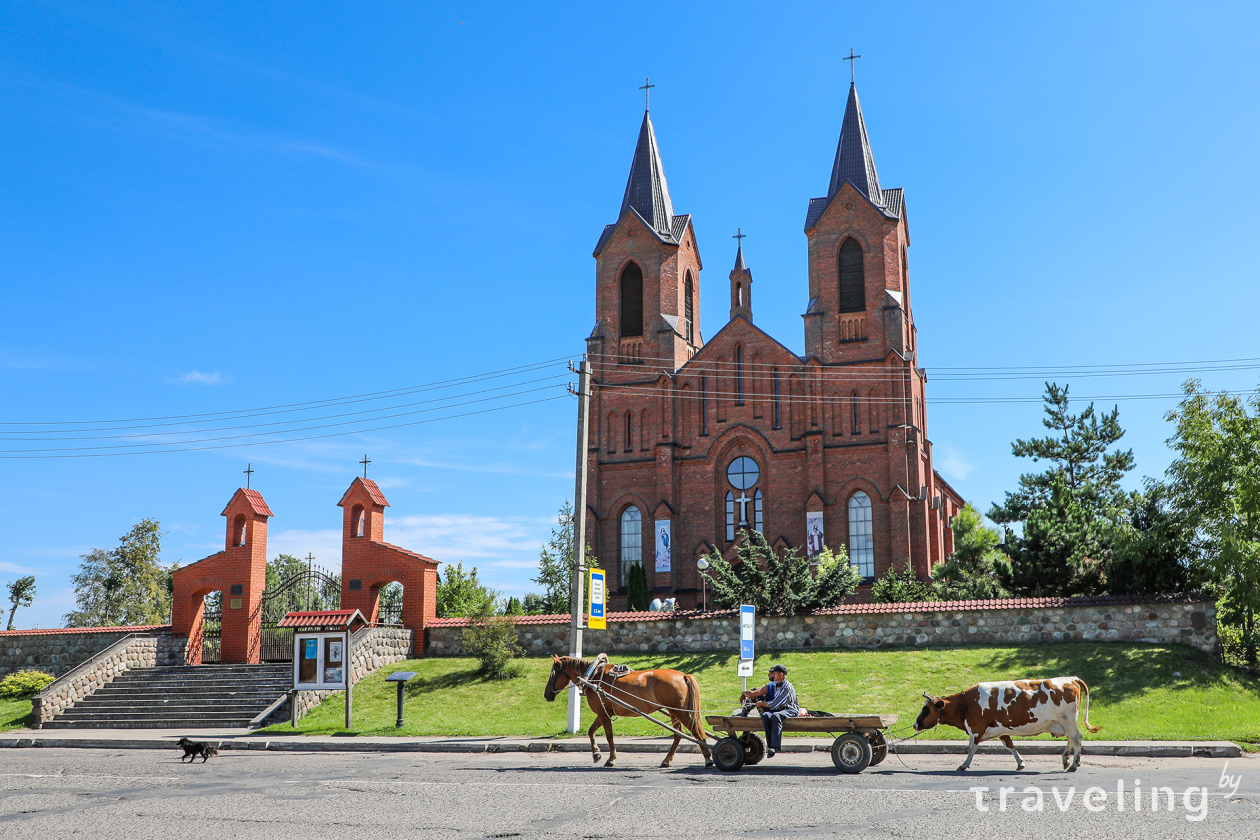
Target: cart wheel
(851, 752)
(879, 747)
(728, 754)
(754, 747)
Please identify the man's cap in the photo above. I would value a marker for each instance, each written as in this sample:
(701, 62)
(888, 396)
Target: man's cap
(779, 668)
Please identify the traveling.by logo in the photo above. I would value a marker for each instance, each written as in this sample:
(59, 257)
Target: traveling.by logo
(1194, 800)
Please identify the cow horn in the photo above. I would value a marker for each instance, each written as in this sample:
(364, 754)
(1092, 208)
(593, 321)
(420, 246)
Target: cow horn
(928, 696)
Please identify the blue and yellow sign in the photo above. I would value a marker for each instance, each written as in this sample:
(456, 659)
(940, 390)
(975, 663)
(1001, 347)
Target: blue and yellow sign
(596, 619)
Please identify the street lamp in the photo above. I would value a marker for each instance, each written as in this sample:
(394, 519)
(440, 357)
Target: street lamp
(703, 564)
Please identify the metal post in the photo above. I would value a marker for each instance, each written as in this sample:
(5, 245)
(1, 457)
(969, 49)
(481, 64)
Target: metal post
(579, 536)
(345, 663)
(398, 725)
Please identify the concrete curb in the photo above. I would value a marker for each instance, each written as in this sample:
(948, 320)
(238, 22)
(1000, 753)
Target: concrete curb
(1138, 749)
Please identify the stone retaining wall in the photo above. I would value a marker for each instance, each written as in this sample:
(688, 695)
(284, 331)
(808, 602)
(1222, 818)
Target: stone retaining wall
(141, 651)
(370, 649)
(1189, 622)
(57, 651)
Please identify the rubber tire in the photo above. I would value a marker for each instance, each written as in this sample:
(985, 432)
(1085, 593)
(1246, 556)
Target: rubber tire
(879, 747)
(754, 747)
(728, 754)
(851, 753)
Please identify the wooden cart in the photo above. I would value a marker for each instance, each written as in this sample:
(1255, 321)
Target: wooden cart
(861, 744)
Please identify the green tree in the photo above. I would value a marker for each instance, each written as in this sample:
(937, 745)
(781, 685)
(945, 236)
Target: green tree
(21, 594)
(1064, 550)
(1152, 547)
(534, 604)
(461, 593)
(555, 564)
(513, 607)
(127, 585)
(637, 593)
(776, 584)
(901, 587)
(1079, 459)
(493, 642)
(974, 570)
(1214, 482)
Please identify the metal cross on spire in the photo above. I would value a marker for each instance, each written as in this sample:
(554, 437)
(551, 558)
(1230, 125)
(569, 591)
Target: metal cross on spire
(365, 463)
(851, 58)
(739, 234)
(647, 91)
(249, 470)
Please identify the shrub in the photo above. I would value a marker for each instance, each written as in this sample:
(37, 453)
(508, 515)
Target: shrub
(903, 588)
(25, 683)
(1233, 650)
(492, 641)
(637, 595)
(778, 584)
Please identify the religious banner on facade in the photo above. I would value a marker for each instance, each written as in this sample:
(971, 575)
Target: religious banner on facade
(813, 533)
(662, 545)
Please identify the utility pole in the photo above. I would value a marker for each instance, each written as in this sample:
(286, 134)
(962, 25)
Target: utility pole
(579, 536)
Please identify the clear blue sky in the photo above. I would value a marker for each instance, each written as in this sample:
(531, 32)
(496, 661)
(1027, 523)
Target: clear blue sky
(216, 208)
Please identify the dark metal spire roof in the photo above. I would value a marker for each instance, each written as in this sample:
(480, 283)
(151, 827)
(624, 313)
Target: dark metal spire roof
(854, 161)
(739, 259)
(646, 190)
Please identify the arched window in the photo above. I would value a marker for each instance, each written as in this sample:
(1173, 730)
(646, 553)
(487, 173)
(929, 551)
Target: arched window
(743, 474)
(689, 308)
(853, 405)
(629, 447)
(239, 529)
(730, 516)
(631, 540)
(632, 301)
(861, 535)
(758, 522)
(739, 375)
(356, 521)
(852, 278)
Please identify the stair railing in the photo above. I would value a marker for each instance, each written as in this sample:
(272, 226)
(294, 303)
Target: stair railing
(67, 681)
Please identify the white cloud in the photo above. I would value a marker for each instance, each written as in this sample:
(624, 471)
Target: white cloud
(14, 568)
(953, 464)
(196, 377)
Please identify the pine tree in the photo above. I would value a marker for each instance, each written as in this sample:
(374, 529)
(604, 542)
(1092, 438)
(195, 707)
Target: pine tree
(1064, 550)
(637, 594)
(901, 587)
(1153, 547)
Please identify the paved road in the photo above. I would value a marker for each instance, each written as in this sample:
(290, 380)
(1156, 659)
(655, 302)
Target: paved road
(149, 794)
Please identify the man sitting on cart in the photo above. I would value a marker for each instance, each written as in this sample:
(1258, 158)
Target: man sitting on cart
(779, 703)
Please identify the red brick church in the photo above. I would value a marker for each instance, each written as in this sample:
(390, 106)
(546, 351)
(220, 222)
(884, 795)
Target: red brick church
(692, 439)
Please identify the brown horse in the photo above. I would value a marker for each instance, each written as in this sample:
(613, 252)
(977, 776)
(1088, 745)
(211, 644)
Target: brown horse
(647, 691)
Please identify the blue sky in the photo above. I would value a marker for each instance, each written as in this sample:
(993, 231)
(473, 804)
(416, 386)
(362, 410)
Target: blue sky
(219, 208)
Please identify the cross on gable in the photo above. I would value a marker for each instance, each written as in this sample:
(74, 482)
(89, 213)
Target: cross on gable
(365, 463)
(249, 471)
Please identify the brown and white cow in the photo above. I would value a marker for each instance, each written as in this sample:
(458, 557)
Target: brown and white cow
(1002, 709)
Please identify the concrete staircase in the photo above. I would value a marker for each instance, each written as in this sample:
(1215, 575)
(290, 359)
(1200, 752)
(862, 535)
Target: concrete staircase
(181, 697)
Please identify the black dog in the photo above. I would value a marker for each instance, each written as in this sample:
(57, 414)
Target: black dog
(192, 749)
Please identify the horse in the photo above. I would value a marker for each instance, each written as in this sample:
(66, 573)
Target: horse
(648, 691)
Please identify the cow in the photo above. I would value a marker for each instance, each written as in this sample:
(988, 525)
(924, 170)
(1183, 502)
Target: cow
(1002, 709)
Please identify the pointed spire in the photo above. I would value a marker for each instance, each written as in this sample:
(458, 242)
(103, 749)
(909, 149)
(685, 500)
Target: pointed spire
(646, 190)
(739, 258)
(854, 161)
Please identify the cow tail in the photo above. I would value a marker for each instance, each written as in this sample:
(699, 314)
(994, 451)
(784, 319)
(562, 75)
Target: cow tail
(692, 705)
(1085, 693)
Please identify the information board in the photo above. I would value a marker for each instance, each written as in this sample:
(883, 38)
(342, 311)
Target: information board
(747, 624)
(596, 618)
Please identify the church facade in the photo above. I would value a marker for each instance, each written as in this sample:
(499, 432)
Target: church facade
(692, 440)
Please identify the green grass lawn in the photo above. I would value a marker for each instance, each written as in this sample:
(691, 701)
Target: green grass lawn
(1134, 693)
(14, 713)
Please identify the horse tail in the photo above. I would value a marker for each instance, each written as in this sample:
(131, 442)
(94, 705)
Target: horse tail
(692, 704)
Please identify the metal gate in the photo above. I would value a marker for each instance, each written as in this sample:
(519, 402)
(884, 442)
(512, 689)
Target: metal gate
(212, 629)
(312, 589)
